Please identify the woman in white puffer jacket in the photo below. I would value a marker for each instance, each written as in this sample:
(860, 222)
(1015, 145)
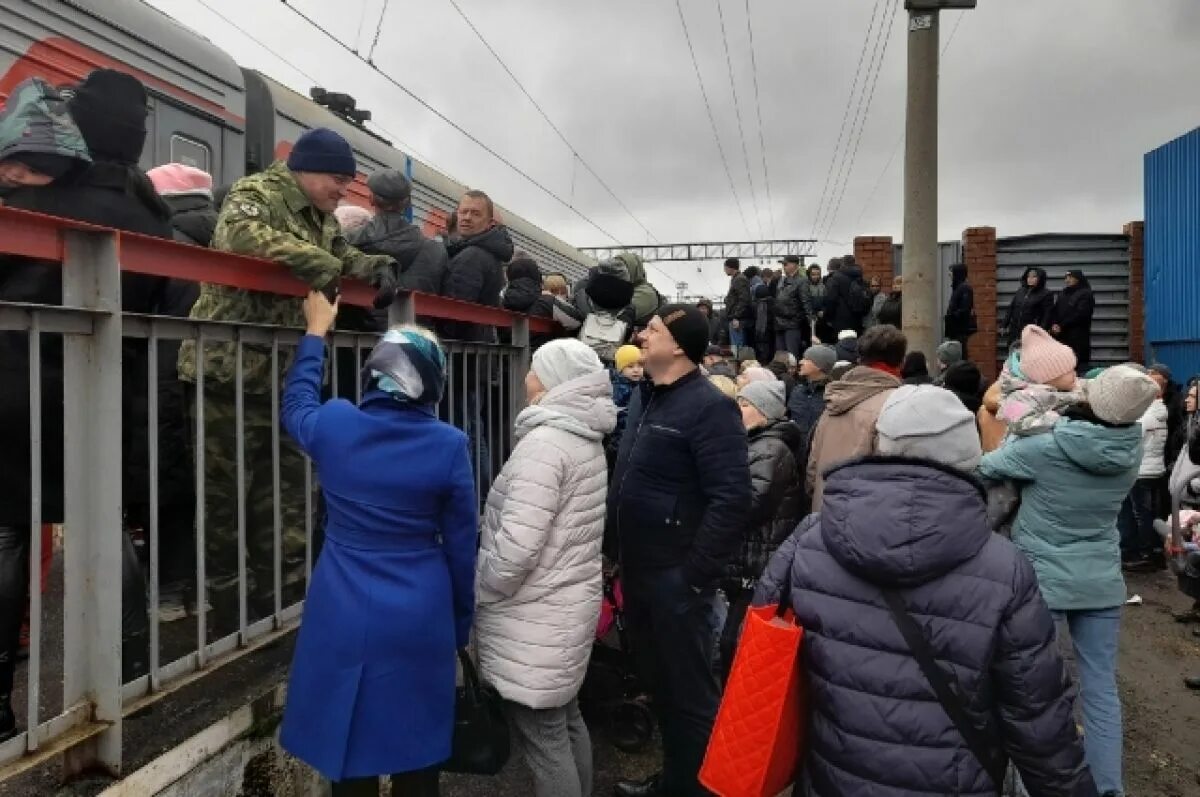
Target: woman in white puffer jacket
(538, 575)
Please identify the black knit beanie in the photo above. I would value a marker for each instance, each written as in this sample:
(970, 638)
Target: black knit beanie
(110, 109)
(689, 327)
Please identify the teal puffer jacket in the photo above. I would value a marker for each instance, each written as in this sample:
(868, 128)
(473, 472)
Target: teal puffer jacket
(1074, 479)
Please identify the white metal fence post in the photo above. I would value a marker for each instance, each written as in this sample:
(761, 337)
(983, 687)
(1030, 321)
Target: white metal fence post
(91, 278)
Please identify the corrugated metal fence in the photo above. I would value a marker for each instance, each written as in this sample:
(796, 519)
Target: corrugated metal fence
(1172, 174)
(1104, 259)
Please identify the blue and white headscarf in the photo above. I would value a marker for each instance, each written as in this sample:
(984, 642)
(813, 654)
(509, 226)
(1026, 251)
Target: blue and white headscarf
(408, 364)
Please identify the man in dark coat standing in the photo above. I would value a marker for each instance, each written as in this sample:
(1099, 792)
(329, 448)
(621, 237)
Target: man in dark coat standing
(681, 488)
(847, 298)
(960, 311)
(739, 305)
(420, 261)
(477, 250)
(792, 329)
(1071, 321)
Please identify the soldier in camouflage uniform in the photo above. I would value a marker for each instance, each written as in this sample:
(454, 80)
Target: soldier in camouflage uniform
(283, 214)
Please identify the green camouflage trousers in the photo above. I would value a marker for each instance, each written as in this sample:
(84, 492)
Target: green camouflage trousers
(221, 495)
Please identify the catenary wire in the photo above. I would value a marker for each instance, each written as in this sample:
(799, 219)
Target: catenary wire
(711, 119)
(459, 128)
(900, 140)
(838, 152)
(762, 145)
(537, 106)
(886, 36)
(378, 30)
(737, 112)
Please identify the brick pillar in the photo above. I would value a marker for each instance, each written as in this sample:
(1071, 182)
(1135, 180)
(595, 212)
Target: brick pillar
(979, 254)
(1136, 230)
(876, 257)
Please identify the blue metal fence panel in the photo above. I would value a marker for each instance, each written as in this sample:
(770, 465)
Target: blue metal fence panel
(1172, 197)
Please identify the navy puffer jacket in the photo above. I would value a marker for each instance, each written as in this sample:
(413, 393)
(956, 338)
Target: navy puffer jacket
(875, 725)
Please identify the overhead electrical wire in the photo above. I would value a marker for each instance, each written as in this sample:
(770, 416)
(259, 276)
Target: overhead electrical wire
(737, 112)
(711, 119)
(762, 145)
(439, 114)
(537, 106)
(896, 149)
(378, 30)
(838, 152)
(865, 109)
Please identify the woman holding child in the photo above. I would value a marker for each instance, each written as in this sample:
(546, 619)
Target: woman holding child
(1075, 454)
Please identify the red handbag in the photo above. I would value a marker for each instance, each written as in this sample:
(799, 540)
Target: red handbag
(757, 742)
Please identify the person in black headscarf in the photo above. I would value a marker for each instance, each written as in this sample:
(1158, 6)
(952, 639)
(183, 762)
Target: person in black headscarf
(960, 311)
(1071, 321)
(1032, 304)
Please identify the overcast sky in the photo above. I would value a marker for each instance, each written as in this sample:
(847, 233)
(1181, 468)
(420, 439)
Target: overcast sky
(1047, 108)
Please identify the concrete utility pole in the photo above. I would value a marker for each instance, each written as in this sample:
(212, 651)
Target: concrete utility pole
(919, 267)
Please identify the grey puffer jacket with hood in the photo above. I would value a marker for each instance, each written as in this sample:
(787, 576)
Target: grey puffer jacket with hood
(875, 726)
(538, 573)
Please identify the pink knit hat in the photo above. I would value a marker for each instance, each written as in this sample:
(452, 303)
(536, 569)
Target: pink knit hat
(1044, 359)
(176, 179)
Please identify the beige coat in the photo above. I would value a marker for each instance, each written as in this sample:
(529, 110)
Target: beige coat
(847, 428)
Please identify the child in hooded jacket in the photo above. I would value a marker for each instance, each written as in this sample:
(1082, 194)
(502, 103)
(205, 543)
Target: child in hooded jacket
(1037, 384)
(626, 376)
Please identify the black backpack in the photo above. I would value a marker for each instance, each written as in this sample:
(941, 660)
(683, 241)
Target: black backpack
(858, 298)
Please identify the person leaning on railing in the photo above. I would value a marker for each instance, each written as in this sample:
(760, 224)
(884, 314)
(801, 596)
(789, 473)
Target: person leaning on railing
(392, 597)
(283, 214)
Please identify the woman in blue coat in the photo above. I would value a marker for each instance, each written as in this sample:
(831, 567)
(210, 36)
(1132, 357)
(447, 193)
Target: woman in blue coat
(392, 597)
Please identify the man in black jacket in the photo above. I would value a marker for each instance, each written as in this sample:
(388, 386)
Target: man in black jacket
(678, 504)
(847, 299)
(477, 250)
(739, 305)
(421, 261)
(792, 330)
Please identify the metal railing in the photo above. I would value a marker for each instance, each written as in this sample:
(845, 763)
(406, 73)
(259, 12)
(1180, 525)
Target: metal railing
(482, 397)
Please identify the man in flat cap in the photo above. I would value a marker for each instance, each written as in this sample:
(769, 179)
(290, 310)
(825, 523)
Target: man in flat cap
(421, 261)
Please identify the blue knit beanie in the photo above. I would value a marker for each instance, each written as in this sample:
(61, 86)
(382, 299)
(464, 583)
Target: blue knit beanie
(322, 150)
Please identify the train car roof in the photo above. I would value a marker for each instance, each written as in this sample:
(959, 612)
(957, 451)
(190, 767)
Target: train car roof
(551, 253)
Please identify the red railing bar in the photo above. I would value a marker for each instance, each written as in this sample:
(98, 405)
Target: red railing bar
(39, 236)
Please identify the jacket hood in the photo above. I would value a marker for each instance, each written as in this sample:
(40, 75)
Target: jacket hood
(856, 386)
(637, 269)
(386, 227)
(1041, 275)
(902, 522)
(521, 293)
(194, 216)
(495, 241)
(958, 274)
(784, 430)
(35, 121)
(582, 406)
(1103, 450)
(853, 272)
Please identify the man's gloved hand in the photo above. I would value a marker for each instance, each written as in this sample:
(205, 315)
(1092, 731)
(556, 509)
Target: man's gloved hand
(385, 285)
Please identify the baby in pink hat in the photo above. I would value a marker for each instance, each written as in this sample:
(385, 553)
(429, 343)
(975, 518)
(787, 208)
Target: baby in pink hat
(1037, 384)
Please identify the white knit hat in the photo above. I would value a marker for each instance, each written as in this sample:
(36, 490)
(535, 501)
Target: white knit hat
(929, 422)
(1120, 395)
(562, 360)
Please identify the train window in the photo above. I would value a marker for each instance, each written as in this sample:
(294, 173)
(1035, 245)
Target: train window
(189, 152)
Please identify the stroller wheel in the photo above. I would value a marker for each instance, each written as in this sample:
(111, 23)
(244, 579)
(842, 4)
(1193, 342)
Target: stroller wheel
(632, 727)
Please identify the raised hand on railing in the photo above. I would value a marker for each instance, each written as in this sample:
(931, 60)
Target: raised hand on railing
(320, 313)
(385, 283)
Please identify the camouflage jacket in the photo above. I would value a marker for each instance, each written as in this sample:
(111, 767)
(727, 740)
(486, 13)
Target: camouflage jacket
(268, 215)
(35, 120)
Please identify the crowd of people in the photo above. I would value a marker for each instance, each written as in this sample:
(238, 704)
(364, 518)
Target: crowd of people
(813, 461)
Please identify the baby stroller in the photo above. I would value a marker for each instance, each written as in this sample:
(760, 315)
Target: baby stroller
(611, 695)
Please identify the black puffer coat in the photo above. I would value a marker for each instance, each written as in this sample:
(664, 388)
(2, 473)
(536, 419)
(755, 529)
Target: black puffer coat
(474, 275)
(1029, 306)
(422, 261)
(788, 307)
(875, 725)
(960, 311)
(1073, 313)
(838, 310)
(778, 499)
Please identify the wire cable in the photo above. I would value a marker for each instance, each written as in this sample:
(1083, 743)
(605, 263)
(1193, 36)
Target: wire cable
(378, 30)
(459, 128)
(762, 145)
(896, 149)
(858, 71)
(711, 119)
(885, 35)
(737, 112)
(537, 106)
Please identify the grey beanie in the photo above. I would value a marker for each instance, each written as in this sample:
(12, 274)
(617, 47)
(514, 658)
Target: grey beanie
(562, 360)
(950, 353)
(1120, 395)
(766, 397)
(824, 357)
(929, 422)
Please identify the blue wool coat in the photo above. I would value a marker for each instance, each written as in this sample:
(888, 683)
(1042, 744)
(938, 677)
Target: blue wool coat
(372, 684)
